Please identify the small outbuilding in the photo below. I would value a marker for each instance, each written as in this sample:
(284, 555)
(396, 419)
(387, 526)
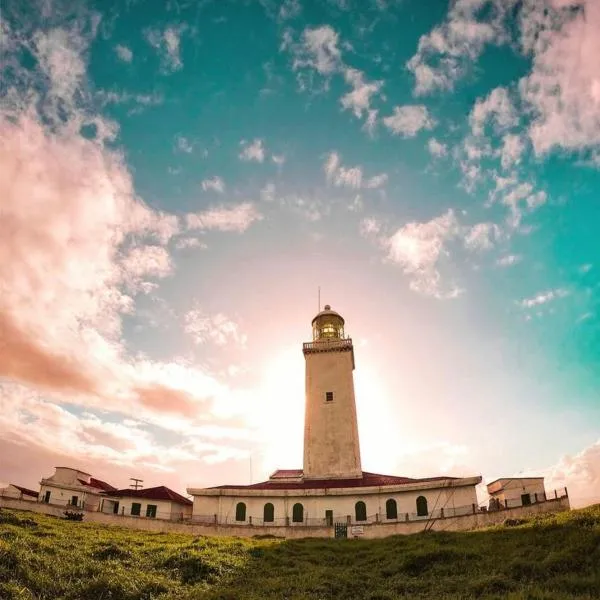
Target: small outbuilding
(509, 492)
(154, 503)
(18, 492)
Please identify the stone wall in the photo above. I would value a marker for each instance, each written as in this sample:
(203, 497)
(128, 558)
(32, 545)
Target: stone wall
(378, 530)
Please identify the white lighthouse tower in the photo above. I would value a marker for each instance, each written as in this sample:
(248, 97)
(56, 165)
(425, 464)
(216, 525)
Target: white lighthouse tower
(331, 444)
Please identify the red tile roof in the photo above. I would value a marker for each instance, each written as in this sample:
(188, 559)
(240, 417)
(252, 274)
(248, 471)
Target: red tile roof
(98, 484)
(156, 493)
(26, 491)
(367, 480)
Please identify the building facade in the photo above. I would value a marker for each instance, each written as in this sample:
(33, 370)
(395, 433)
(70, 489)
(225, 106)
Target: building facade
(152, 503)
(509, 492)
(332, 487)
(73, 488)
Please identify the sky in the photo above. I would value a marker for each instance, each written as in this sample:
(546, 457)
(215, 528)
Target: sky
(178, 180)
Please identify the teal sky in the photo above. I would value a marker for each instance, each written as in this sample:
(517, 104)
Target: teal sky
(180, 178)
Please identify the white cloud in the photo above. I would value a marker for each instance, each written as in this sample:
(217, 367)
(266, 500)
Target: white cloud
(580, 474)
(409, 120)
(235, 218)
(376, 181)
(319, 50)
(217, 328)
(446, 52)
(351, 177)
(359, 98)
(436, 148)
(544, 297)
(278, 159)
(513, 147)
(254, 151)
(183, 144)
(482, 236)
(509, 260)
(289, 9)
(418, 247)
(124, 53)
(563, 88)
(216, 184)
(496, 108)
(168, 44)
(370, 227)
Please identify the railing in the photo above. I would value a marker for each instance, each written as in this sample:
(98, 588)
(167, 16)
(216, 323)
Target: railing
(327, 344)
(442, 512)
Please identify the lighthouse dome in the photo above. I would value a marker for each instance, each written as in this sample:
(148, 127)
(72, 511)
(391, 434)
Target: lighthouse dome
(327, 325)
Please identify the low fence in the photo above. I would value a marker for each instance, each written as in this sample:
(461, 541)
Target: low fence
(437, 512)
(371, 528)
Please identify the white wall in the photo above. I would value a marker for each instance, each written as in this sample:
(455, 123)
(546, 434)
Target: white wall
(62, 495)
(165, 509)
(511, 490)
(453, 500)
(10, 491)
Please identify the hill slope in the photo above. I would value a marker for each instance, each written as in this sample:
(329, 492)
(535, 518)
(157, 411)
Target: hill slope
(548, 557)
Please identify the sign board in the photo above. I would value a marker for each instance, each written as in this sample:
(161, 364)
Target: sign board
(357, 530)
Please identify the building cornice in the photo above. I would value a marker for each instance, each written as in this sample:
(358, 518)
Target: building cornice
(349, 491)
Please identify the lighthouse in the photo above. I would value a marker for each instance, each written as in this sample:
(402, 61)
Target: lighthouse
(331, 444)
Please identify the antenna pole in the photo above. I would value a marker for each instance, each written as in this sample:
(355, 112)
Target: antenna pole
(137, 483)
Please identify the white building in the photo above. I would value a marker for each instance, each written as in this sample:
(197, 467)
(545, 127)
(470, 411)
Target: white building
(153, 503)
(19, 493)
(71, 487)
(509, 492)
(332, 487)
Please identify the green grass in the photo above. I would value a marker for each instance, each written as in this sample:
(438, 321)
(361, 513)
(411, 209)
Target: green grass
(549, 557)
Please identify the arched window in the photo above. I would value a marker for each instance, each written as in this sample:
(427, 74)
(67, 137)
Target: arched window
(298, 513)
(422, 506)
(360, 509)
(391, 509)
(240, 511)
(269, 513)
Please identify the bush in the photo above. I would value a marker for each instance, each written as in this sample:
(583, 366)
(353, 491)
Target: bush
(73, 516)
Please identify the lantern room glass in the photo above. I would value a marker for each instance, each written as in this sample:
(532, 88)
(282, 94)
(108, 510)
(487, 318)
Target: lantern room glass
(328, 327)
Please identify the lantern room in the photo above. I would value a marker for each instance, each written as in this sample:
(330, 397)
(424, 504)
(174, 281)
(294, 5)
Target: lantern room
(328, 325)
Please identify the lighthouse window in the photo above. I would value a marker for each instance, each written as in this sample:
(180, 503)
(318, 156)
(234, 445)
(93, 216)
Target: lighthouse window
(329, 396)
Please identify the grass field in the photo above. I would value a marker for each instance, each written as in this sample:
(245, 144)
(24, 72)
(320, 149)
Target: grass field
(548, 557)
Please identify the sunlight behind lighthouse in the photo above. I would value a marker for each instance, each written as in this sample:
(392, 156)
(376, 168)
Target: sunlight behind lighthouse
(279, 412)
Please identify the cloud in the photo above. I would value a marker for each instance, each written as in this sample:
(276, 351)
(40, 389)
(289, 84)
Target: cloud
(214, 183)
(418, 247)
(351, 177)
(409, 120)
(513, 147)
(182, 144)
(544, 297)
(376, 181)
(563, 89)
(254, 151)
(579, 473)
(318, 50)
(496, 108)
(167, 43)
(124, 53)
(278, 159)
(436, 148)
(234, 218)
(359, 98)
(482, 236)
(509, 260)
(218, 328)
(446, 53)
